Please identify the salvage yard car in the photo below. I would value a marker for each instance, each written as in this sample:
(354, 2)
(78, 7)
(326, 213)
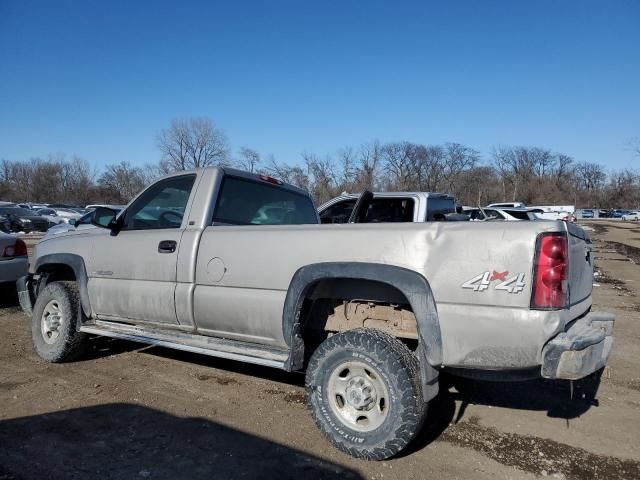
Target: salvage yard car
(236, 265)
(631, 216)
(24, 220)
(390, 207)
(13, 258)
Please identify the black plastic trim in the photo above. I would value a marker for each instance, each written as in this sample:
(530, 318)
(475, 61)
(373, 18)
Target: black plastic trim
(413, 286)
(76, 263)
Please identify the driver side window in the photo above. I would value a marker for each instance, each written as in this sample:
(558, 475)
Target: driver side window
(161, 206)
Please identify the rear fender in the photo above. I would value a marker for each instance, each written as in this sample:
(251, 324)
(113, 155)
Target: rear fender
(414, 287)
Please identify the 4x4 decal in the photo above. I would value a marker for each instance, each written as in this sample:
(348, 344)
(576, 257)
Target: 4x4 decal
(480, 283)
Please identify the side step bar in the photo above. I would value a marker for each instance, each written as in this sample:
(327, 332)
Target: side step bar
(215, 347)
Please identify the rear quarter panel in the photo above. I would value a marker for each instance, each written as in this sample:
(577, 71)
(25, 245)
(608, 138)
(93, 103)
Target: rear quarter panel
(246, 270)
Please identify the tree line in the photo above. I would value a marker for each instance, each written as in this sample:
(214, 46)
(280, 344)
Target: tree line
(535, 175)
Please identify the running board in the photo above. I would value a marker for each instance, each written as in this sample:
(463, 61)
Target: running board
(215, 347)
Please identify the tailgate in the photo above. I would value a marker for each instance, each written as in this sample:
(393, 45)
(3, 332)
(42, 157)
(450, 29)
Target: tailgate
(580, 264)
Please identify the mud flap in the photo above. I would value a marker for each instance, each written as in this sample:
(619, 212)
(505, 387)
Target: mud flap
(429, 376)
(25, 294)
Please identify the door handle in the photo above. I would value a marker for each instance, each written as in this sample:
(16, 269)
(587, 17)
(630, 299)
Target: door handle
(167, 246)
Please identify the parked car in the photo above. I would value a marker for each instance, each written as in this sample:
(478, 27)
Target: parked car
(93, 206)
(507, 205)
(631, 216)
(385, 207)
(235, 265)
(508, 214)
(66, 214)
(24, 220)
(5, 223)
(587, 213)
(556, 212)
(13, 258)
(50, 214)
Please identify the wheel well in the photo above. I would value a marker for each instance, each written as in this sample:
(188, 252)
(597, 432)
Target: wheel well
(54, 272)
(340, 304)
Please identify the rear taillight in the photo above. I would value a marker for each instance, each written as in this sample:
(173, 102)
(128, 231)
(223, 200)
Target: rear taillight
(550, 289)
(19, 249)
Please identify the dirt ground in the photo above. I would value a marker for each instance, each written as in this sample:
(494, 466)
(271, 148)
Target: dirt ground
(127, 411)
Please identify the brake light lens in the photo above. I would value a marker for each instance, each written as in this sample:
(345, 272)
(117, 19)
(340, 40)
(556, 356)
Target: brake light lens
(19, 249)
(267, 178)
(550, 288)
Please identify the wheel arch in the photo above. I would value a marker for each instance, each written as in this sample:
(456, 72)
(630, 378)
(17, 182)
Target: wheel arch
(61, 264)
(412, 285)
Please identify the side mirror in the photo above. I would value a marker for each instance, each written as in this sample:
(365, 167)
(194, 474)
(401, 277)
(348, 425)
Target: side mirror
(104, 217)
(72, 221)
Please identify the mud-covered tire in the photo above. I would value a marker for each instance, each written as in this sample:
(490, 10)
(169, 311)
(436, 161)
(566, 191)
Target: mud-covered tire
(393, 368)
(61, 342)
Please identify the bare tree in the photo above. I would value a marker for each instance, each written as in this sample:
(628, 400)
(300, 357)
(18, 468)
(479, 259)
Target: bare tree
(119, 183)
(293, 174)
(192, 143)
(249, 159)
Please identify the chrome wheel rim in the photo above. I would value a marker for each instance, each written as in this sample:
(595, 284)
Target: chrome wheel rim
(51, 322)
(358, 396)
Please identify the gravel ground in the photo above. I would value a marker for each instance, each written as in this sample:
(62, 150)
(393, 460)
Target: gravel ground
(128, 411)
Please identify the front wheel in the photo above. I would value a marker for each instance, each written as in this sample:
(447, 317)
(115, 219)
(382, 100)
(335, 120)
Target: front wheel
(54, 323)
(364, 393)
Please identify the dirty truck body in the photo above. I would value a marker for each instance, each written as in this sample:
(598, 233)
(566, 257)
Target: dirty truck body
(235, 265)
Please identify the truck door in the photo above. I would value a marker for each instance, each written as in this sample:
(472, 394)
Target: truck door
(132, 274)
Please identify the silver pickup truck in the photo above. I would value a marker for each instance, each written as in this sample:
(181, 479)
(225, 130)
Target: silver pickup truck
(236, 265)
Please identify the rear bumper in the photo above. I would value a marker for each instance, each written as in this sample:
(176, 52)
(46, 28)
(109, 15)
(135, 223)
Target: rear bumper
(581, 349)
(11, 270)
(24, 285)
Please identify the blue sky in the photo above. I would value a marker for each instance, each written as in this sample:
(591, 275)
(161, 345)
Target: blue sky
(99, 79)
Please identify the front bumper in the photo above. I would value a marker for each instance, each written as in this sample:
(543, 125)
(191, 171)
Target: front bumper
(24, 285)
(581, 349)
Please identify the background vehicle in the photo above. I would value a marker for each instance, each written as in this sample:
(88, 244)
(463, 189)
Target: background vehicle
(5, 223)
(13, 258)
(634, 216)
(66, 214)
(508, 214)
(587, 213)
(390, 207)
(556, 212)
(235, 265)
(24, 220)
(50, 214)
(507, 205)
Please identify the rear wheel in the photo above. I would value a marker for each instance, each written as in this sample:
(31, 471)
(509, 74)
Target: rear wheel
(54, 323)
(364, 393)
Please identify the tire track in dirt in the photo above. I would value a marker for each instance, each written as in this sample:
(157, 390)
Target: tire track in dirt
(539, 456)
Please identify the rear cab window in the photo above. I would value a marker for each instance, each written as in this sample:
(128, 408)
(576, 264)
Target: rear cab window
(243, 201)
